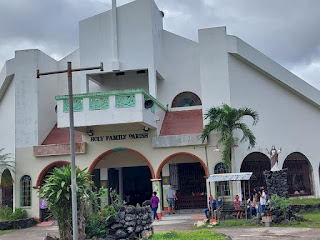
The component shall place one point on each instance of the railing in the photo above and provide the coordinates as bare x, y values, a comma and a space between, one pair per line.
115, 107
101, 100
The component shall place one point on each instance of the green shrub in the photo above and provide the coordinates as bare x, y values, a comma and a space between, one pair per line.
5, 213
279, 203
19, 213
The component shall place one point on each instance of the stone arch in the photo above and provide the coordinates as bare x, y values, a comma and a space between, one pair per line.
184, 99
167, 159
256, 162
101, 156
299, 174
44, 171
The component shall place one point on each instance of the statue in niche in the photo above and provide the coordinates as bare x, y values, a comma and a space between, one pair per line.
274, 158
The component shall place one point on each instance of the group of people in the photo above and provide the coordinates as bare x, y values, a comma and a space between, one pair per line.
171, 198
257, 203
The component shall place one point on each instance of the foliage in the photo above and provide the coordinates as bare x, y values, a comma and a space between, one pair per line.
226, 121
298, 201
280, 203
19, 213
99, 221
6, 214
199, 235
57, 192
6, 165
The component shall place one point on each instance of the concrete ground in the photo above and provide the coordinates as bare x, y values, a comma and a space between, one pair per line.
184, 223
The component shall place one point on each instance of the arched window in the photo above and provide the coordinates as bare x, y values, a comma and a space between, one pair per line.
222, 188
25, 191
186, 99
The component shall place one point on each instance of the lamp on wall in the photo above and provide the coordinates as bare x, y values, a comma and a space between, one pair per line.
146, 129
90, 133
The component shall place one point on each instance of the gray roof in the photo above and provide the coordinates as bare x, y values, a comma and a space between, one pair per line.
229, 177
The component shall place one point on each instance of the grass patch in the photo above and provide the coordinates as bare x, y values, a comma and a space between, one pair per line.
298, 201
235, 223
7, 231
311, 216
198, 235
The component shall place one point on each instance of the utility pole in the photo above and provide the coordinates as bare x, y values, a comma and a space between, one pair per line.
69, 70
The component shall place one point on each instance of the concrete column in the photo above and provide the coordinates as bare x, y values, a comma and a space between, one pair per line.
120, 183
315, 180
152, 75
115, 55
165, 185
157, 187
105, 183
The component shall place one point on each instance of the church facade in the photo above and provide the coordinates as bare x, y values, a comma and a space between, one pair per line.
138, 122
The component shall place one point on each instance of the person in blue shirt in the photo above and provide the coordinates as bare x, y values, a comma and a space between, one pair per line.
212, 205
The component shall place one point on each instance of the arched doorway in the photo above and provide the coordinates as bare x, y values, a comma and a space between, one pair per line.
48, 170
299, 174
125, 170
187, 174
45, 214
257, 163
6, 188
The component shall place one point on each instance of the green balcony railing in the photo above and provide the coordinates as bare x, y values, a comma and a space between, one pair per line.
100, 100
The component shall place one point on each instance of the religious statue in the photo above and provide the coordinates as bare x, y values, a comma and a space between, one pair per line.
274, 158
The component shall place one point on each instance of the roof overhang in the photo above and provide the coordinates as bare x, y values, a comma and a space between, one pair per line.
229, 177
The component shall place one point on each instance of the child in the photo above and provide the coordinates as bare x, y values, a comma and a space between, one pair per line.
237, 207
155, 203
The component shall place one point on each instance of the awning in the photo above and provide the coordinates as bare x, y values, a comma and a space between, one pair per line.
229, 177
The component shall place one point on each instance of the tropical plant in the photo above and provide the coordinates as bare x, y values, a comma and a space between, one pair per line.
99, 221
279, 203
226, 121
57, 192
6, 165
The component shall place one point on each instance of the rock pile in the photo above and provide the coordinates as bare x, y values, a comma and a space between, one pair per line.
277, 183
17, 224
132, 223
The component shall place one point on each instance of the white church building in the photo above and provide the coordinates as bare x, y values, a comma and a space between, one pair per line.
137, 147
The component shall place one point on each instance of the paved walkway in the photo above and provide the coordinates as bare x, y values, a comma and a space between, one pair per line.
184, 223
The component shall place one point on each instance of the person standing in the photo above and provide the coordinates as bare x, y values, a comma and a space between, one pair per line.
155, 203
237, 207
171, 199
263, 199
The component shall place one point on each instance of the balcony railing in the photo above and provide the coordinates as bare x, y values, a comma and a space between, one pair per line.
115, 107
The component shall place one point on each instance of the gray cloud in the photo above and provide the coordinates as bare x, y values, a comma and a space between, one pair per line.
287, 31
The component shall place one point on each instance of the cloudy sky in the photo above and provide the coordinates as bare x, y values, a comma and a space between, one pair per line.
287, 30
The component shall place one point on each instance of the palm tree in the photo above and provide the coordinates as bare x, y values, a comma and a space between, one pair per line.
6, 166
226, 121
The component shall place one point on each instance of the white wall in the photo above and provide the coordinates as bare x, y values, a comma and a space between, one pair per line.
180, 68
74, 58
215, 86
286, 120
47, 90
7, 120
131, 80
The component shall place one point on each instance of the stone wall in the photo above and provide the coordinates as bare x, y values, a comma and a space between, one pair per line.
132, 223
277, 183
17, 224
305, 207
